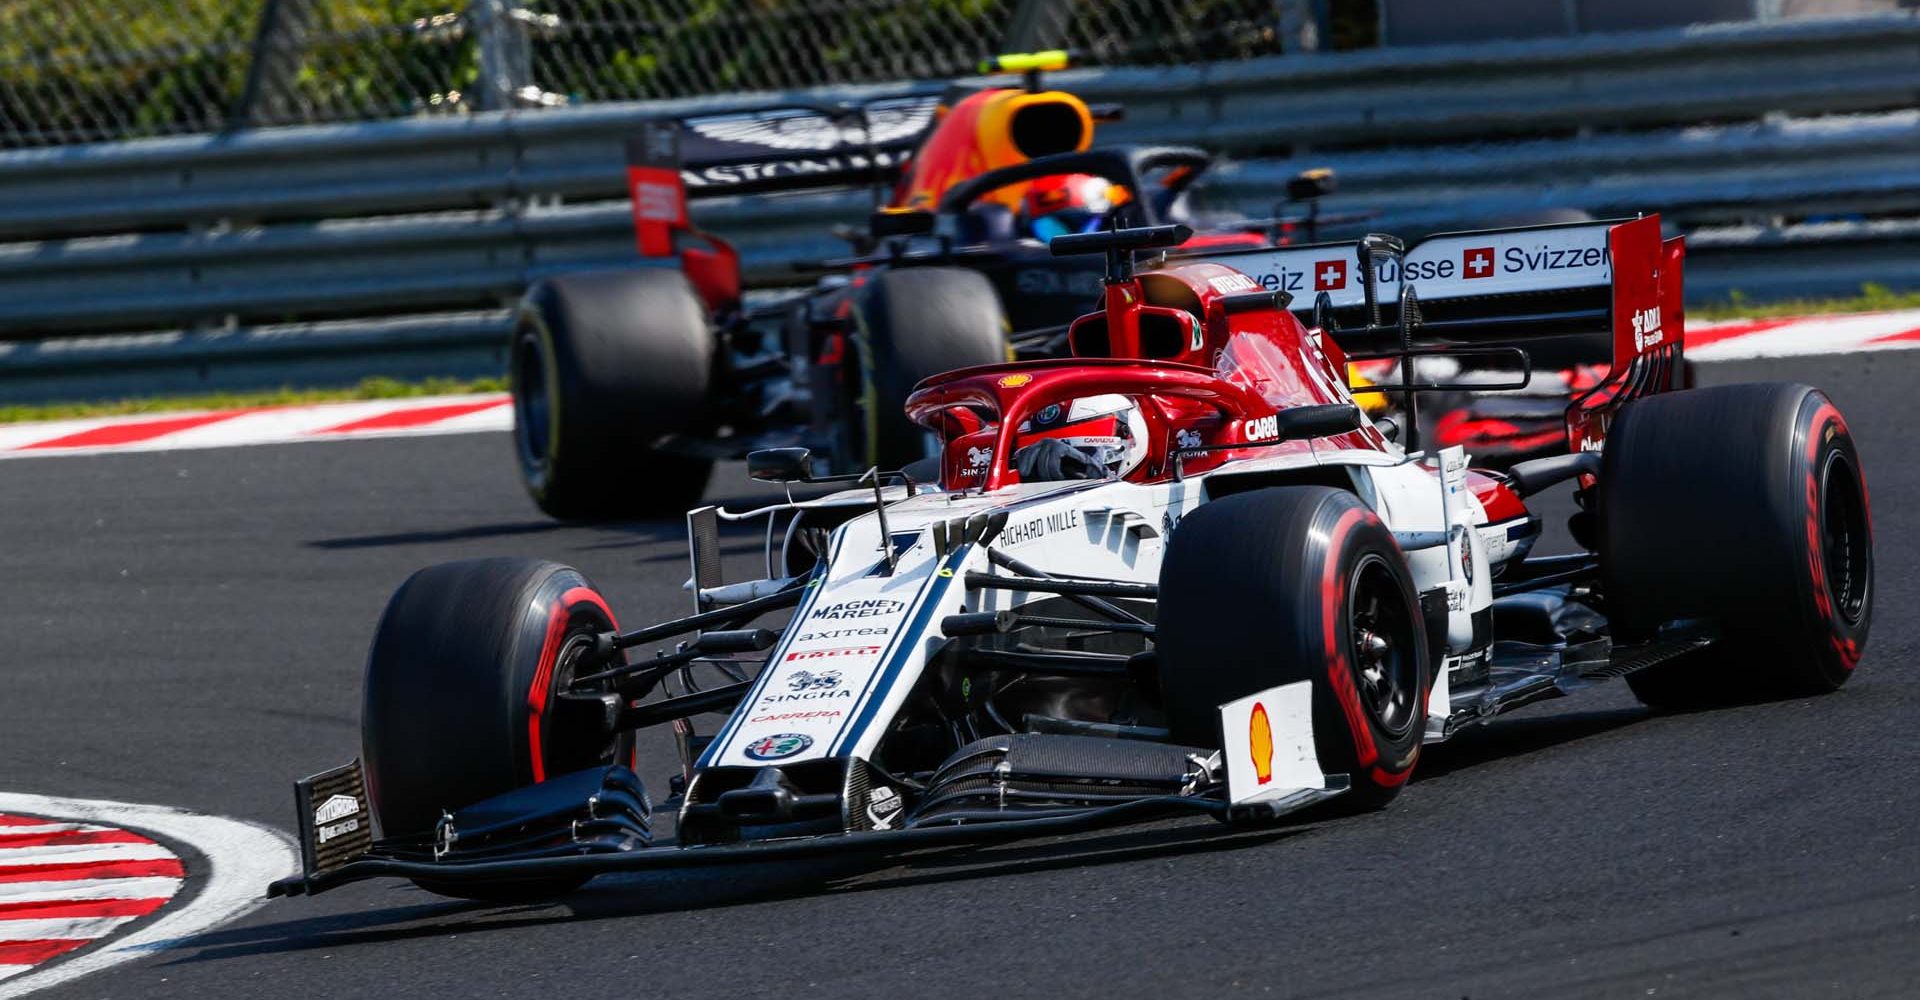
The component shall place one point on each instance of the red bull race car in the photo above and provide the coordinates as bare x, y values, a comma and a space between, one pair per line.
1177, 572
671, 362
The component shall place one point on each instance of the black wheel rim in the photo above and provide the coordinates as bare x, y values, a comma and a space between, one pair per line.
571, 745
532, 408
1382, 646
1844, 545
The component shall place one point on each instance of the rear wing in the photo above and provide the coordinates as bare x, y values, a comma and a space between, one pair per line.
789, 148
802, 147
1606, 292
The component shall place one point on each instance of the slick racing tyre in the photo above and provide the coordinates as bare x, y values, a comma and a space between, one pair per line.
1743, 504
1295, 583
603, 365
460, 695
913, 323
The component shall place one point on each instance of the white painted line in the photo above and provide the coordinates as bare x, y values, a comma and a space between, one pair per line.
58, 928
73, 854
138, 887
241, 857
12, 831
1835, 334
14, 970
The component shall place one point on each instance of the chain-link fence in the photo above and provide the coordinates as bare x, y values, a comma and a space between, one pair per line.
92, 70
76, 72
617, 49
349, 60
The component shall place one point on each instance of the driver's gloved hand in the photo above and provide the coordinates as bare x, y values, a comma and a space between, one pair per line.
1052, 460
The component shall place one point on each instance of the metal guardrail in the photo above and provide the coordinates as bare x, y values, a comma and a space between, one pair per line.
1704, 175
1472, 92
350, 226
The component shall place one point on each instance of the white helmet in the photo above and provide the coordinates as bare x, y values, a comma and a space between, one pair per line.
1107, 430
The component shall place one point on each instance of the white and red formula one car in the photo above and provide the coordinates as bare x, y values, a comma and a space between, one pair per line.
1176, 572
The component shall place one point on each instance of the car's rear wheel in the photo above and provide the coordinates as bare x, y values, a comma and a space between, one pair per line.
1745, 505
913, 323
460, 694
603, 366
1295, 583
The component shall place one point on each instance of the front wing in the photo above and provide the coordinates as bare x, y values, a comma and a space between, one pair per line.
598, 822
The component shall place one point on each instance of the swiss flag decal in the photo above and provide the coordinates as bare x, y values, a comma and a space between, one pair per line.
1478, 263
1329, 275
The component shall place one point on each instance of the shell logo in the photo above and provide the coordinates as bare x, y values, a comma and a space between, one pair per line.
1014, 381
1260, 743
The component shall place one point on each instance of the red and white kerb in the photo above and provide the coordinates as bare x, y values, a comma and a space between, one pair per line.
263, 425
65, 885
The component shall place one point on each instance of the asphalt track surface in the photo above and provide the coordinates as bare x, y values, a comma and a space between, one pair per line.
188, 628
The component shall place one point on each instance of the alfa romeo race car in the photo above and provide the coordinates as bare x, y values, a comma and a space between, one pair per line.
1176, 573
671, 362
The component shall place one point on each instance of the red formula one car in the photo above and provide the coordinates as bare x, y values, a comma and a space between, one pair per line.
1177, 572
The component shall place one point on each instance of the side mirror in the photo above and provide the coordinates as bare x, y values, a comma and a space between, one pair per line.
912, 222
1310, 184
780, 465
1325, 420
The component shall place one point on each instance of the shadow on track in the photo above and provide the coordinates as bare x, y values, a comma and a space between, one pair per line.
417, 915
744, 547
466, 534
413, 914
1513, 737
641, 531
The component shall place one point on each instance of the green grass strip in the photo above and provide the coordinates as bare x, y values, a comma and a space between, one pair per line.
1872, 298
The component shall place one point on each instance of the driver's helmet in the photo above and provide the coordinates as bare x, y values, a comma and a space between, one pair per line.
1067, 203
1093, 437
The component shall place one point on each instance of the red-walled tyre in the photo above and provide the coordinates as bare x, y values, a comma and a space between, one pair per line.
459, 701
1743, 504
1295, 583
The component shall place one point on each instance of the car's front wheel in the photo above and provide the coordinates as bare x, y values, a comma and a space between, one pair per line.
460, 696
1295, 583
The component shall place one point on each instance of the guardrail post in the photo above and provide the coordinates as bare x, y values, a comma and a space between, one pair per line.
506, 59
278, 47
1303, 24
